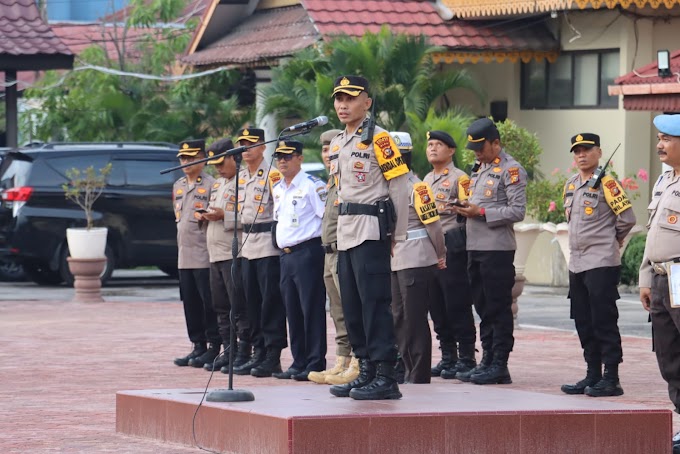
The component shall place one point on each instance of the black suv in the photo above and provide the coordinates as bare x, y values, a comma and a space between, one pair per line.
136, 206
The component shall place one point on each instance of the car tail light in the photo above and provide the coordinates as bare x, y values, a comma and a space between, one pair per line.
20, 194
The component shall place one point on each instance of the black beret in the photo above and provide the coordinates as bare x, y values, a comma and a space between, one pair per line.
191, 147
479, 132
352, 85
586, 139
251, 135
442, 136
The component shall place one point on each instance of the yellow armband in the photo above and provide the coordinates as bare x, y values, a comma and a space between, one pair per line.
389, 157
424, 204
613, 193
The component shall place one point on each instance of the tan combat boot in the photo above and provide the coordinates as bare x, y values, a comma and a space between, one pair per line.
347, 376
341, 363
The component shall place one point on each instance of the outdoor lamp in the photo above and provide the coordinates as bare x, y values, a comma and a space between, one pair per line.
664, 62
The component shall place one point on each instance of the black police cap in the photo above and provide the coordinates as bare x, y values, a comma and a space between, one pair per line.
352, 85
289, 146
191, 147
442, 136
251, 135
217, 147
479, 132
585, 139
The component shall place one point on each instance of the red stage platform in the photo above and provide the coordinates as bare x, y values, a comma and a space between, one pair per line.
435, 418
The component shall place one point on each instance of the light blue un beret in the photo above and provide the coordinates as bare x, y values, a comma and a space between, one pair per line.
668, 124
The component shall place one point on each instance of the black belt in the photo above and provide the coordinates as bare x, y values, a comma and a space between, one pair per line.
330, 248
311, 242
260, 227
357, 208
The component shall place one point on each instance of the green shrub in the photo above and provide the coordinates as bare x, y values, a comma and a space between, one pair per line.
632, 258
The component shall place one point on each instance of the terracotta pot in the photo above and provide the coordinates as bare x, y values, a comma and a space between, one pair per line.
87, 283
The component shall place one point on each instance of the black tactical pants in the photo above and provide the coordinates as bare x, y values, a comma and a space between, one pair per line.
451, 302
201, 320
666, 336
593, 294
410, 290
492, 275
304, 297
266, 312
227, 295
364, 275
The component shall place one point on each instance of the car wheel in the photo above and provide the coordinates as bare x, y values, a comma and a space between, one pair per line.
41, 274
67, 277
11, 270
170, 270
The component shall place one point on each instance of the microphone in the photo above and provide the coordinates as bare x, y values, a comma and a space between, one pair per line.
318, 121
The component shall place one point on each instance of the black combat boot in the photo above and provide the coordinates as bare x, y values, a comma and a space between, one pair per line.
207, 357
593, 375
220, 362
199, 349
609, 384
466, 361
487, 358
270, 365
496, 374
257, 358
449, 358
366, 375
243, 354
383, 387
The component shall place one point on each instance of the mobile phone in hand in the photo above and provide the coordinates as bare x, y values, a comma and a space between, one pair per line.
457, 203
201, 211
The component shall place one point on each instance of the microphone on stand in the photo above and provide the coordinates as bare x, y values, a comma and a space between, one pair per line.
318, 121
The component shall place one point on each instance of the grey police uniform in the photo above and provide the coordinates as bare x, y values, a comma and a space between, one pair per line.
298, 209
598, 219
414, 266
662, 249
193, 261
261, 268
364, 257
451, 300
500, 188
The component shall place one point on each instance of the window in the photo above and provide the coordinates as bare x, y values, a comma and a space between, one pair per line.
575, 80
142, 173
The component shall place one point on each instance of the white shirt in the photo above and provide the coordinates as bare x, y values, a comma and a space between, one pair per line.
298, 208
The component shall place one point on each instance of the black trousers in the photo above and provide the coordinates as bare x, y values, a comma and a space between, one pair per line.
451, 302
410, 290
364, 275
263, 298
304, 296
227, 295
593, 294
666, 336
194, 289
492, 276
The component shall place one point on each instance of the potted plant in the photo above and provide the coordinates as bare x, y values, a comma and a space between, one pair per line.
84, 186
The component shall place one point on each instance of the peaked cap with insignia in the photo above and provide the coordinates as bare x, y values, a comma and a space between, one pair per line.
352, 85
479, 132
403, 141
217, 147
251, 135
288, 147
585, 139
191, 147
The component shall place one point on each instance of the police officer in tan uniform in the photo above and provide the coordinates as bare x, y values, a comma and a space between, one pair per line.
261, 270
662, 250
190, 195
340, 373
599, 216
414, 266
497, 200
450, 300
227, 293
373, 193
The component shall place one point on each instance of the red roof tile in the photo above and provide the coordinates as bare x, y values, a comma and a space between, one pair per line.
355, 17
648, 74
270, 33
653, 103
24, 33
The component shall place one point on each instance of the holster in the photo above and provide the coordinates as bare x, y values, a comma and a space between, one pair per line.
456, 240
387, 218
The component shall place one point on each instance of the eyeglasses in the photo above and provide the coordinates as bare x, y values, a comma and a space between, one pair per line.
284, 156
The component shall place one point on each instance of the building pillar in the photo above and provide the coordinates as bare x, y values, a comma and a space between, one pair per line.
11, 96
262, 121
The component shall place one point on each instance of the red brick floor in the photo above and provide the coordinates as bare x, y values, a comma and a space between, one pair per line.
62, 363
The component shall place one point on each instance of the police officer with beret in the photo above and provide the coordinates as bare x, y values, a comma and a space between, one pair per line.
190, 196
227, 293
662, 251
450, 300
373, 192
261, 269
599, 216
497, 200
299, 201
340, 373
414, 266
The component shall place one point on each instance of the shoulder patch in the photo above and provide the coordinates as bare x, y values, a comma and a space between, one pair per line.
388, 156
424, 204
613, 193
274, 177
514, 174
463, 187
